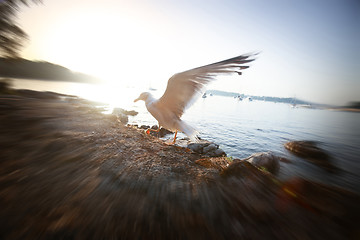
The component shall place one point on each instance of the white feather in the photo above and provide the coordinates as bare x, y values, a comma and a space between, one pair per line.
184, 88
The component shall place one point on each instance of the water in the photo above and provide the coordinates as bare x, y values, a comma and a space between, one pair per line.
242, 128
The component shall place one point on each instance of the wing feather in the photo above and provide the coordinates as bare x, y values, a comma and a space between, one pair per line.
184, 88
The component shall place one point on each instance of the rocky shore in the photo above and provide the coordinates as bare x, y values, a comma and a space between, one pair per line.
70, 172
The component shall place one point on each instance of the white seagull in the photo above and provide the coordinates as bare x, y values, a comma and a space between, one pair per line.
183, 89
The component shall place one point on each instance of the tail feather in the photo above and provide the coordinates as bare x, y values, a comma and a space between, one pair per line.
189, 131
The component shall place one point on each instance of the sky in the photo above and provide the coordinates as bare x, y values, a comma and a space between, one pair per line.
308, 49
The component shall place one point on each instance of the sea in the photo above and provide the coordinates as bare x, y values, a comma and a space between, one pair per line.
244, 127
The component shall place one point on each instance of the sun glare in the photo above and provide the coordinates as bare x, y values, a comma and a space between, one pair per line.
116, 48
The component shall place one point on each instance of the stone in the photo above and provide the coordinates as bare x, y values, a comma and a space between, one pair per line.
210, 148
123, 111
306, 149
123, 118
120, 114
311, 152
164, 132
266, 160
239, 168
197, 147
219, 152
219, 163
154, 127
207, 148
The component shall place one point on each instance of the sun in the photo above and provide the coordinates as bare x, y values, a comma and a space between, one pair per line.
120, 48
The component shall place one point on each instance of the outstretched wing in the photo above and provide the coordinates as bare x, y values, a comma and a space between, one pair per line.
183, 88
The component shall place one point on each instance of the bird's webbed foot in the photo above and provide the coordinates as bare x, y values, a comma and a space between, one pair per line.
149, 130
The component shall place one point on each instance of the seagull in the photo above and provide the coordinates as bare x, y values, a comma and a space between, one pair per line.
183, 89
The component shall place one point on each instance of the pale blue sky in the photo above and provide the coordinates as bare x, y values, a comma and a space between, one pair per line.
309, 49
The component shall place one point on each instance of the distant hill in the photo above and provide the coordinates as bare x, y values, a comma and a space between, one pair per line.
259, 98
353, 105
22, 68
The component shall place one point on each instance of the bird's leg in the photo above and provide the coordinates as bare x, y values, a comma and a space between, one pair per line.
152, 130
173, 142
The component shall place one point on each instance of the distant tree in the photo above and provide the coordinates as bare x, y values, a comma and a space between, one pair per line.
354, 105
11, 35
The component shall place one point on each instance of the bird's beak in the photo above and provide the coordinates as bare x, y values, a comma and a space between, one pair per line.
136, 99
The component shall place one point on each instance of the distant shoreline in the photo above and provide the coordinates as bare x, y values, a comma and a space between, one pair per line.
344, 109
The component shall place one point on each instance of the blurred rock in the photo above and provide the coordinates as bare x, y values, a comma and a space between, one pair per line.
219, 163
306, 149
121, 117
310, 151
125, 112
196, 147
210, 148
239, 168
207, 148
164, 132
38, 95
265, 159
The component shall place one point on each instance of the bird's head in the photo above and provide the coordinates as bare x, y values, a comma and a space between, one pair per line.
143, 96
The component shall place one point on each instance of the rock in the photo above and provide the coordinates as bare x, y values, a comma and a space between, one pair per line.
161, 133
306, 149
144, 127
266, 160
207, 148
239, 168
121, 116
197, 147
164, 132
111, 117
125, 112
210, 148
154, 127
311, 152
319, 198
219, 152
38, 95
219, 163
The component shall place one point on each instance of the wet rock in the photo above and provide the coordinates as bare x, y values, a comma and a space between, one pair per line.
210, 148
311, 152
306, 149
265, 159
219, 152
196, 147
207, 148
